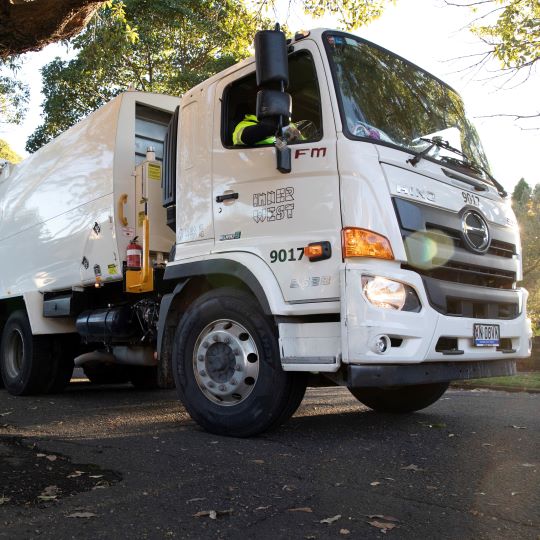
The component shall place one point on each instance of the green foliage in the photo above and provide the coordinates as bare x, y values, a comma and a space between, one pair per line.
352, 13
521, 195
526, 204
13, 94
515, 34
6, 152
161, 46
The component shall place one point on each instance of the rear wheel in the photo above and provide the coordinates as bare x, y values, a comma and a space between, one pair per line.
64, 350
402, 399
227, 367
27, 363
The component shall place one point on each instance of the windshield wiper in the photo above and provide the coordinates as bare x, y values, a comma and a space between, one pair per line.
433, 143
464, 162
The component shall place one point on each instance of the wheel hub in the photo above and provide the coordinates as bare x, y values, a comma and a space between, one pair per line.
14, 354
226, 362
220, 362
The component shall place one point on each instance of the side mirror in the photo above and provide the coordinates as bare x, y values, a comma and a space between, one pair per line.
271, 59
273, 104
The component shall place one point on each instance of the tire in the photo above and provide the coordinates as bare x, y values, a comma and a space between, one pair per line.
296, 395
143, 377
27, 365
402, 399
64, 350
227, 367
106, 373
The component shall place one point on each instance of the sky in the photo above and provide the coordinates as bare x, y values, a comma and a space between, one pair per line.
430, 35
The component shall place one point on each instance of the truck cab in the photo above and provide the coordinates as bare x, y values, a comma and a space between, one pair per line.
387, 258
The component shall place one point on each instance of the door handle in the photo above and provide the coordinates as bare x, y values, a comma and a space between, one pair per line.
226, 197
122, 200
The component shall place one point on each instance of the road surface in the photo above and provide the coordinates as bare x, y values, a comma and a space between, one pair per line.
112, 462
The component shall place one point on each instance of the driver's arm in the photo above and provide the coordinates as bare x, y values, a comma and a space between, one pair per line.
251, 135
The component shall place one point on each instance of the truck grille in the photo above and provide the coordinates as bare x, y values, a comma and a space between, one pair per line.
459, 282
496, 248
469, 275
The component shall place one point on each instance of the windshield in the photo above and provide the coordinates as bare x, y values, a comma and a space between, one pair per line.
386, 99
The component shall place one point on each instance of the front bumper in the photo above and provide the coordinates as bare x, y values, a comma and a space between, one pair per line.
362, 376
415, 336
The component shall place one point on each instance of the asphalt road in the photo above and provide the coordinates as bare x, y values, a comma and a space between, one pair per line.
112, 462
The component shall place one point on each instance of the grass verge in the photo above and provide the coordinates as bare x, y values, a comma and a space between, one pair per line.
522, 381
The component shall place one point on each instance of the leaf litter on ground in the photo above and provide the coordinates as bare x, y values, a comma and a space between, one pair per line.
330, 520
50, 493
383, 523
82, 515
214, 514
412, 467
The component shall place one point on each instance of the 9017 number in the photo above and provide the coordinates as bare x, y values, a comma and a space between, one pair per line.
471, 199
286, 255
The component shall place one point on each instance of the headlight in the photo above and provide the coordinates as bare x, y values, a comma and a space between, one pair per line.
388, 294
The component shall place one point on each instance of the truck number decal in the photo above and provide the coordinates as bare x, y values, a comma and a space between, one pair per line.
286, 255
471, 199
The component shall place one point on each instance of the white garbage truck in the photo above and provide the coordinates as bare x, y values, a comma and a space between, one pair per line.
366, 244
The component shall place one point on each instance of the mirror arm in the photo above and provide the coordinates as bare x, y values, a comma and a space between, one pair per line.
283, 152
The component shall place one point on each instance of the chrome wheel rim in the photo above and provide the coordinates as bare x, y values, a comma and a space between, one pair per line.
226, 362
14, 354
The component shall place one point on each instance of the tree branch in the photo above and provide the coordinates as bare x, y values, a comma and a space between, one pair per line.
467, 4
31, 25
514, 116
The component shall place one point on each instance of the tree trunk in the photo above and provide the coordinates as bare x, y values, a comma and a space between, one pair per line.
29, 25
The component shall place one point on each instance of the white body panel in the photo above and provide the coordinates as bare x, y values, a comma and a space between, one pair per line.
59, 225
265, 276
194, 222
282, 213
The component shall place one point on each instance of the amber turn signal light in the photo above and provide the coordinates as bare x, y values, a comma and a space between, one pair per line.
364, 243
318, 251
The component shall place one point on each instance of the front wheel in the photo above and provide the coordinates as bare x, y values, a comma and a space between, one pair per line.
402, 399
227, 366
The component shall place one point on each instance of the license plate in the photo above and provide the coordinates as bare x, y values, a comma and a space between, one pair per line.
486, 335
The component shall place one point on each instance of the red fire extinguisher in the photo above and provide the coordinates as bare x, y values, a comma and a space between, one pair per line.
134, 255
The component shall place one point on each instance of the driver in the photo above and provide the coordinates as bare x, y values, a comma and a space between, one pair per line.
250, 132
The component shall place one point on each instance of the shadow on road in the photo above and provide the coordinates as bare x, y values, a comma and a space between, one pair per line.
464, 468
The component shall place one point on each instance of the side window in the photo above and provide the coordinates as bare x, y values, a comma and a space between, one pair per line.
239, 100
306, 98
